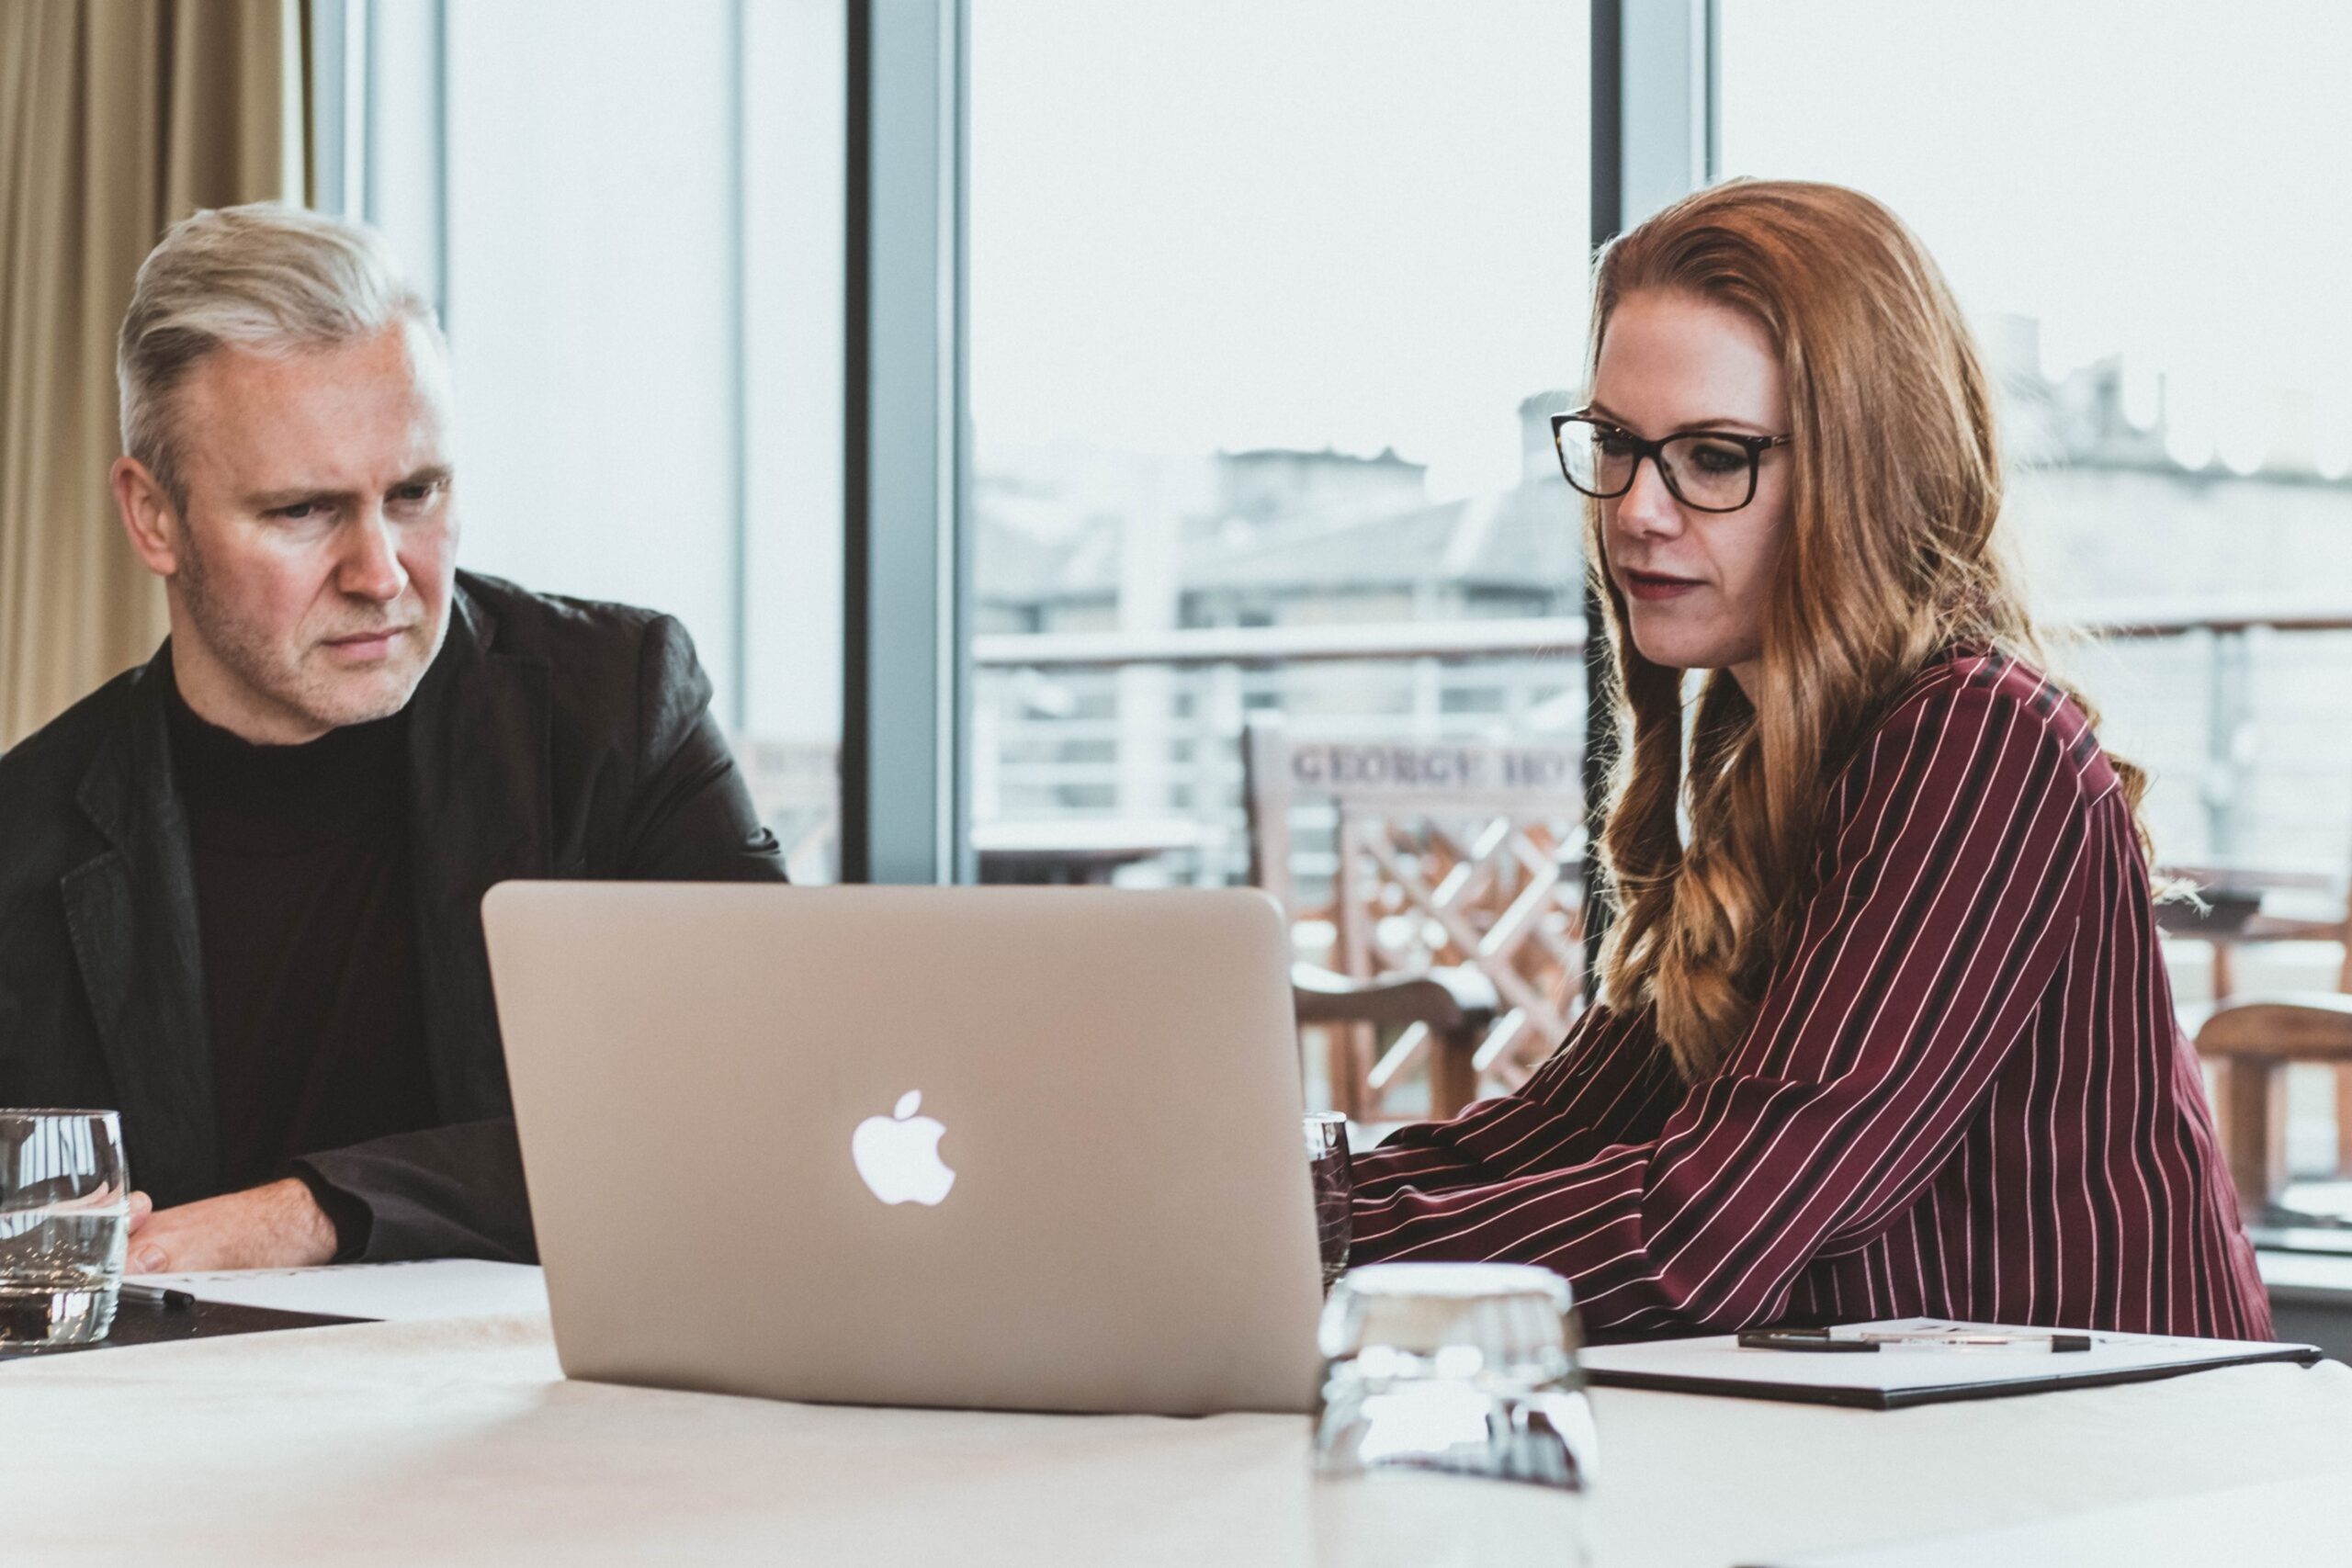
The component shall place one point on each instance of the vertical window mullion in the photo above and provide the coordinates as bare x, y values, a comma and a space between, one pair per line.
905, 574
1654, 88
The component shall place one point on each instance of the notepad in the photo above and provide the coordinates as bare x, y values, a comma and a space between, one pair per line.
1902, 1376
400, 1292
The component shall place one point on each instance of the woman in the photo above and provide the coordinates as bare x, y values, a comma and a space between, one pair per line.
1885, 1028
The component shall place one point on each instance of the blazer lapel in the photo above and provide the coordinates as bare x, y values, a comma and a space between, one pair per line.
481, 782
132, 913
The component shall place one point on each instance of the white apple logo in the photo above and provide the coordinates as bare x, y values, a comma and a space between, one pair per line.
898, 1155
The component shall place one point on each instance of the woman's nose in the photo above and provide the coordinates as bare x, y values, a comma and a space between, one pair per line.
1648, 506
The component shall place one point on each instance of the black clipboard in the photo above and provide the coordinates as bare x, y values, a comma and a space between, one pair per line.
1945, 1393
1718, 1366
136, 1322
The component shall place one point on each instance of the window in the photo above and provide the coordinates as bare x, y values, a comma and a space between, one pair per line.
635, 218
1267, 305
2144, 241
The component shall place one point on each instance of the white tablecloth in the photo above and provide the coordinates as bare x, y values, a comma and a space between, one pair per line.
2279, 1523
458, 1442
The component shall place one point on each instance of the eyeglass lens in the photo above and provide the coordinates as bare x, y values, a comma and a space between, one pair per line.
1702, 470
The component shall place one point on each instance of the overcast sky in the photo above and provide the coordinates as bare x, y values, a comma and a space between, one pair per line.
1362, 222
1202, 223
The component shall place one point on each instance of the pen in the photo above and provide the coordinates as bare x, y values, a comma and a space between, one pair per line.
157, 1296
1978, 1339
1906, 1339
1815, 1339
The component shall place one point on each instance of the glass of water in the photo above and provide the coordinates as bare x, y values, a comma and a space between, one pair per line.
1335, 1190
1469, 1369
64, 1212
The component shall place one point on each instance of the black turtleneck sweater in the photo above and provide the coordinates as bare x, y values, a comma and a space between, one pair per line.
309, 937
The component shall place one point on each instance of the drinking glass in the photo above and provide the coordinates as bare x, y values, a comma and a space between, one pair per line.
64, 1212
1335, 1190
1464, 1367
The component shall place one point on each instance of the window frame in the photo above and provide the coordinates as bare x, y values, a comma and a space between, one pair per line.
907, 513
905, 784
905, 774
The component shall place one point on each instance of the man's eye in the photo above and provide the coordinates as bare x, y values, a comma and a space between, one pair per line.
300, 512
415, 494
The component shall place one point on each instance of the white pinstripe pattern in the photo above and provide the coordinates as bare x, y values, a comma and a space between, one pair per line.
1963, 1071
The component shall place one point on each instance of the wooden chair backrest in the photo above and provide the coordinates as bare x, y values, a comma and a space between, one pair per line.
1446, 852
2249, 1042
2313, 1027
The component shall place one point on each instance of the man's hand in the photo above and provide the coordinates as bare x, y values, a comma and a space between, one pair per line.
276, 1226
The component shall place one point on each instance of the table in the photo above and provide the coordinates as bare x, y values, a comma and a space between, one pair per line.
2289, 1521
1076, 852
458, 1442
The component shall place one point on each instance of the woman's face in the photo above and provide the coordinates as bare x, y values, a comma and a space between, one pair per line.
1694, 582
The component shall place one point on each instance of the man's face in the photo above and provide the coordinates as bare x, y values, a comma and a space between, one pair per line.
317, 542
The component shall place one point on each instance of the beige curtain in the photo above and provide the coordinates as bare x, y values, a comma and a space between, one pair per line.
117, 119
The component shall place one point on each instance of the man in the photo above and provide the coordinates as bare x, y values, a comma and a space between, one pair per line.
240, 887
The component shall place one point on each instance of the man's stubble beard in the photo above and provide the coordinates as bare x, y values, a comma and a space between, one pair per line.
248, 653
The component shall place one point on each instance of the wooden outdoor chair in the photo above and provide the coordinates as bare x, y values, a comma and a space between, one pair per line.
1453, 892
2251, 1042
2234, 919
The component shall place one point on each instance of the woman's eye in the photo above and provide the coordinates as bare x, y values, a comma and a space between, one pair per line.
1717, 457
1613, 443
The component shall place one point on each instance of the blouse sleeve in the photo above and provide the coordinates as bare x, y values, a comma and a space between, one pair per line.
1947, 902
1606, 1076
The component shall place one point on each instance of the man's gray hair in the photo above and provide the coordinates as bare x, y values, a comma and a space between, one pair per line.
265, 277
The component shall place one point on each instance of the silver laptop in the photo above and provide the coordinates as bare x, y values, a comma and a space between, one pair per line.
1006, 1148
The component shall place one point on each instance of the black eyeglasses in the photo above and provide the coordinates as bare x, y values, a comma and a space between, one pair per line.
1708, 470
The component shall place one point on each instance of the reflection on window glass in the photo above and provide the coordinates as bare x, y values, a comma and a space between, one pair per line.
2135, 200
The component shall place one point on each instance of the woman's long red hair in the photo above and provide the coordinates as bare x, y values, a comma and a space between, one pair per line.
1892, 553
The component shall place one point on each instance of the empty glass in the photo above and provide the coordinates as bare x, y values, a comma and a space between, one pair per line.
64, 1212
1464, 1367
1335, 1190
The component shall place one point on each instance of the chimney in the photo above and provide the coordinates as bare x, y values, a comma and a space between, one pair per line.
1538, 460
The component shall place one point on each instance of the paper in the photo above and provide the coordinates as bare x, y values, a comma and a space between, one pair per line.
1916, 1374
397, 1293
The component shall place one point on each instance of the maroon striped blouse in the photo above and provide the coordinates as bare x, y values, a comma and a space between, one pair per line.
1964, 1093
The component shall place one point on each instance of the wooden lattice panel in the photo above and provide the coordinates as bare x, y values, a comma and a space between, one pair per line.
1447, 856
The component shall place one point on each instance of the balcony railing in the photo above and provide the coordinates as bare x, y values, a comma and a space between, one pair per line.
2242, 713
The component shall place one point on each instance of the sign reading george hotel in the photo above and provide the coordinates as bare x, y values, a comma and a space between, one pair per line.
1356, 771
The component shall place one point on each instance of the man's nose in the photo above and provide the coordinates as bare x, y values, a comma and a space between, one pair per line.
371, 563
1648, 507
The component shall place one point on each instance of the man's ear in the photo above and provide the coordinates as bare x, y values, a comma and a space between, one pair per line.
149, 517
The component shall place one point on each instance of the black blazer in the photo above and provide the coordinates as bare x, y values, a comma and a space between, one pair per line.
550, 737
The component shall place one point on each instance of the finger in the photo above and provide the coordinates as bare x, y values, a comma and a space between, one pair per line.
148, 1255
141, 1207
